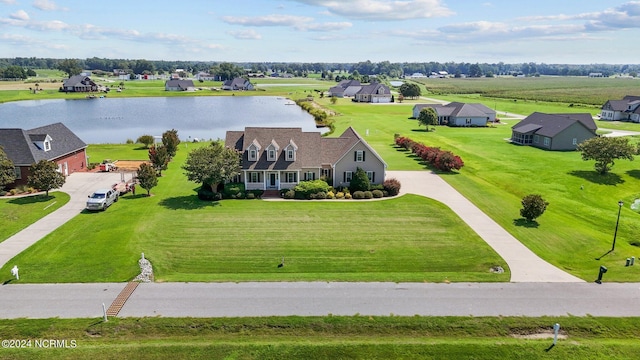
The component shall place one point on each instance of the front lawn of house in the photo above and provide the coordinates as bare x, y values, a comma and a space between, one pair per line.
410, 238
16, 213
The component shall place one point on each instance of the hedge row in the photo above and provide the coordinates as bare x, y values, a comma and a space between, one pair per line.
442, 160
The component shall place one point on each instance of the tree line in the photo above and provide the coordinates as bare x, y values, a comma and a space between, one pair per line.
387, 68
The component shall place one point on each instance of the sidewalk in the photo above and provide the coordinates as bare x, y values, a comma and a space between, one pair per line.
525, 266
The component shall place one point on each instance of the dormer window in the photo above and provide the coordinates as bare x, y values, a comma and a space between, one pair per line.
47, 145
272, 151
290, 151
252, 150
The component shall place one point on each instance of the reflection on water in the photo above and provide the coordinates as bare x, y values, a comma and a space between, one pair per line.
116, 120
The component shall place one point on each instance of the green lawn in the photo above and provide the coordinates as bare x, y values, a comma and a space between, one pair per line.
19, 212
329, 337
410, 238
579, 223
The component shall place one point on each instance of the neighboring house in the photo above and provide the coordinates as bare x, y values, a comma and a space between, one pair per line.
373, 93
79, 83
279, 158
554, 131
459, 114
205, 76
179, 85
237, 84
53, 142
345, 88
627, 109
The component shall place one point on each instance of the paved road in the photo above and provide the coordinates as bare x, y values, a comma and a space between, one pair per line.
322, 298
525, 266
618, 133
78, 186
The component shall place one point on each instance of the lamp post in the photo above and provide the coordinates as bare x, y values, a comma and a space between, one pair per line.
620, 203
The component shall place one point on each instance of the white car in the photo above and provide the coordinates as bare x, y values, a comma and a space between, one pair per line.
102, 199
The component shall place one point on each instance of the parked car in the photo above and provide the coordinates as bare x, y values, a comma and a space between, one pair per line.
102, 199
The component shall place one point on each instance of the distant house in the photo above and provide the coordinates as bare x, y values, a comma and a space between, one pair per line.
79, 83
237, 84
627, 109
554, 131
53, 142
373, 93
205, 76
179, 85
459, 114
345, 88
279, 158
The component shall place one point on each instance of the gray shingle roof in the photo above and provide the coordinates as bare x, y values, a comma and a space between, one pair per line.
552, 124
19, 144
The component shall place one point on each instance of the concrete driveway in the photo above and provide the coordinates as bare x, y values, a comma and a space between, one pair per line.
525, 266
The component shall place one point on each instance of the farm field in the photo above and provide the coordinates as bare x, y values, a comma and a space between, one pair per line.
409, 238
329, 337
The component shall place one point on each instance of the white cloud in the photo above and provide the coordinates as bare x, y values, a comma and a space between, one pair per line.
245, 34
8, 2
302, 23
20, 15
46, 5
383, 9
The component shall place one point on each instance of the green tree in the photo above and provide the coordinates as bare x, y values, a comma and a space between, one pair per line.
45, 176
334, 100
605, 150
147, 177
69, 66
410, 90
14, 72
171, 141
359, 181
475, 71
146, 140
533, 206
227, 71
143, 66
159, 157
7, 170
212, 165
428, 117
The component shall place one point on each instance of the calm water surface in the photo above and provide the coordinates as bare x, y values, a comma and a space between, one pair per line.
108, 120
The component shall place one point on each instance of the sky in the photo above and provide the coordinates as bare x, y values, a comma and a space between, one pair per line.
343, 31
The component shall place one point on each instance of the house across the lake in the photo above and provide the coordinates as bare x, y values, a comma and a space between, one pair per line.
79, 83
627, 109
279, 158
459, 114
53, 142
237, 84
554, 131
373, 93
179, 85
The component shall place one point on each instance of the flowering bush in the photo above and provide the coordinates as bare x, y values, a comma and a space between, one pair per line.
434, 156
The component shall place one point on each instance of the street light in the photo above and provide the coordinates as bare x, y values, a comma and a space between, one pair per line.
620, 203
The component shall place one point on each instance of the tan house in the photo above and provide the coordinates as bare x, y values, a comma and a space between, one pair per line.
279, 158
554, 131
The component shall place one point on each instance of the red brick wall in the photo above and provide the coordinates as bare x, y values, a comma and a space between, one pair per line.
76, 161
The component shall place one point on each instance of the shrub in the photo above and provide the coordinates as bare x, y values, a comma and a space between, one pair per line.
360, 181
533, 206
339, 195
290, 194
129, 141
305, 188
257, 194
358, 195
392, 186
376, 187
232, 189
240, 195
330, 195
205, 193
377, 193
368, 194
447, 161
321, 195
347, 196
251, 195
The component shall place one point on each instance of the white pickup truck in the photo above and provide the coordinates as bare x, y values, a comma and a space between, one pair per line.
102, 199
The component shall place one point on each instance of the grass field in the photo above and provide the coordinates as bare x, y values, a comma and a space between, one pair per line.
579, 223
410, 238
20, 212
330, 337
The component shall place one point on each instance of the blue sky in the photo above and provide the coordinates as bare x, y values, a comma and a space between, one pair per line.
558, 31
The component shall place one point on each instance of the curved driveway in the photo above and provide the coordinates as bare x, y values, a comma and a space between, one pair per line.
525, 266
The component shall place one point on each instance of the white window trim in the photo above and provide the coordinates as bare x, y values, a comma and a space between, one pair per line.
348, 176
359, 155
253, 152
271, 155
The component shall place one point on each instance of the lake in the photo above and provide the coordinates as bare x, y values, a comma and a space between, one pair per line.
106, 120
